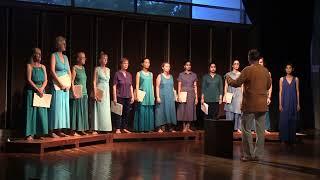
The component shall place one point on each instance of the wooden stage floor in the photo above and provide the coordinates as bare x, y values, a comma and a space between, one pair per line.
168, 160
41, 146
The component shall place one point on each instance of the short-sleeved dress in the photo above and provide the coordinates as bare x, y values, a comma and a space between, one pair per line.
166, 109
36, 117
79, 107
102, 111
187, 111
235, 105
59, 113
144, 113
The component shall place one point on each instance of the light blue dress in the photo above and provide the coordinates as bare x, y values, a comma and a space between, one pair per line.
166, 109
102, 111
59, 113
233, 110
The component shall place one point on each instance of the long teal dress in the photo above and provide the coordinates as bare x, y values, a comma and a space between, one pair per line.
36, 117
166, 110
79, 107
144, 114
59, 113
102, 111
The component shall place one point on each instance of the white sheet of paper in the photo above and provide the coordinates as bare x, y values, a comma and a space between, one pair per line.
64, 79
116, 108
204, 108
140, 95
183, 97
44, 101
229, 97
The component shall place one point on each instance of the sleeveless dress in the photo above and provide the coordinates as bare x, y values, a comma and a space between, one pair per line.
36, 117
102, 111
144, 114
187, 111
79, 107
59, 113
288, 117
166, 110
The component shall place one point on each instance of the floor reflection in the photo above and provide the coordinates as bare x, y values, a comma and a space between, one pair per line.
177, 160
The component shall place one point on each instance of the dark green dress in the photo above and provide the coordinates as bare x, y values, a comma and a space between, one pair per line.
79, 107
36, 117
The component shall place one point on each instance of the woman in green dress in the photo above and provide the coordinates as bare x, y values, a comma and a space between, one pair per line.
36, 117
165, 108
79, 103
59, 113
102, 111
144, 114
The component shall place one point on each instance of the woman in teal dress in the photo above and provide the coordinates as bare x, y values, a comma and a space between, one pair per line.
79, 104
144, 114
36, 117
165, 108
102, 112
59, 113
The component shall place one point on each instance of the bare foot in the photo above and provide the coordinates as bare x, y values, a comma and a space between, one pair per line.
94, 132
173, 130
160, 131
84, 133
118, 131
239, 131
61, 134
267, 132
189, 130
184, 130
76, 134
29, 138
54, 135
126, 131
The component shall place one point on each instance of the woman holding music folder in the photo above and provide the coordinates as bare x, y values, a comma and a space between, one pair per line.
36, 116
233, 98
123, 94
187, 84
59, 113
212, 89
79, 97
165, 109
144, 114
101, 93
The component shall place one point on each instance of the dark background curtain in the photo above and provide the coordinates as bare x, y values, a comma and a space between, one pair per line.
315, 63
284, 32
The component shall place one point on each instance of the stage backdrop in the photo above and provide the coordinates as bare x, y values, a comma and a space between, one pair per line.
119, 35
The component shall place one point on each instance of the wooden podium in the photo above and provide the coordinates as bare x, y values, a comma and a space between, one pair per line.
218, 138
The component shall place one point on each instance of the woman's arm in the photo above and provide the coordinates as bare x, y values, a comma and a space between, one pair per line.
53, 71
220, 90
225, 90
94, 83
203, 88
298, 94
195, 92
45, 82
73, 77
280, 94
29, 78
114, 88
132, 95
158, 88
